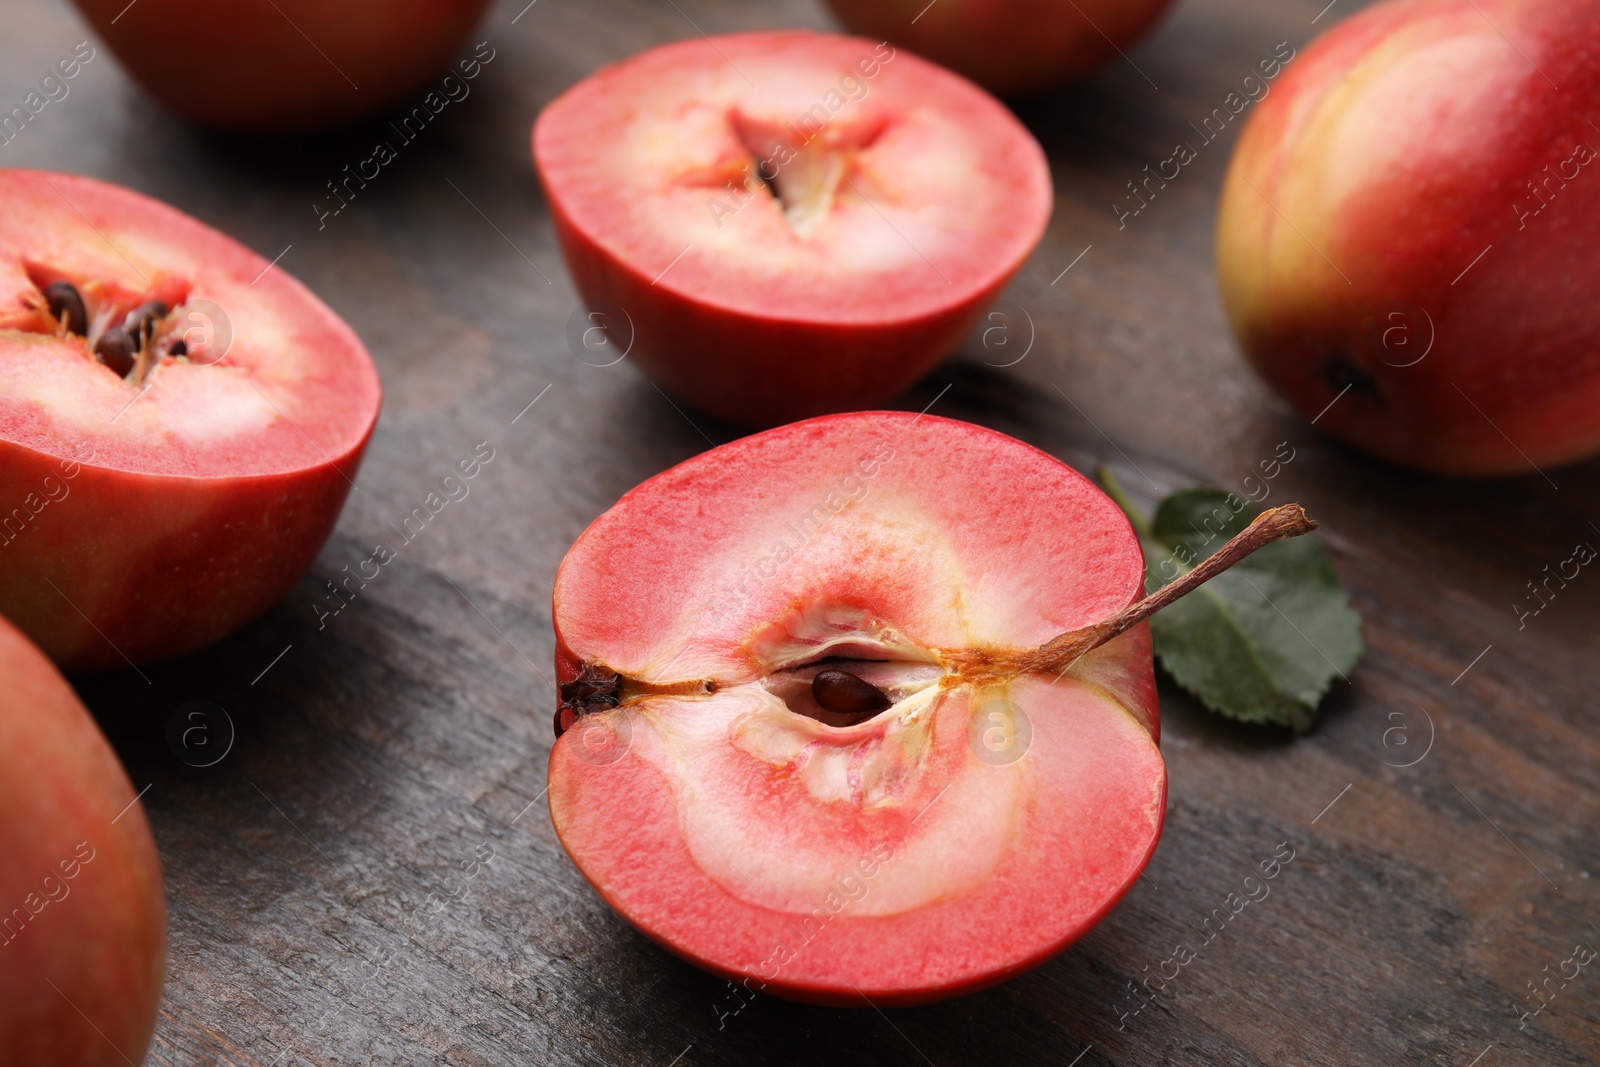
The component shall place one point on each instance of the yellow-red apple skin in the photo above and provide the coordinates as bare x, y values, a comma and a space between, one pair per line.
82, 914
1378, 229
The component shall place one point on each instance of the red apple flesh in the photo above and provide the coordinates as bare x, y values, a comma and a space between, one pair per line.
1409, 237
146, 514
981, 823
901, 200
82, 915
1007, 46
280, 65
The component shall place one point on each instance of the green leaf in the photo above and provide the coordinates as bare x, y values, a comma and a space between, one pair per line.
1261, 642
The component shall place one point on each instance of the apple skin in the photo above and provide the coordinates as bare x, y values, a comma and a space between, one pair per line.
760, 372
83, 905
1378, 230
157, 565
252, 65
1007, 46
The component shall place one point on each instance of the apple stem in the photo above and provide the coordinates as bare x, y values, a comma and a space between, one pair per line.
1057, 655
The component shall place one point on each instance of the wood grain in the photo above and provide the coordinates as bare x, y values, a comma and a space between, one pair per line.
320, 909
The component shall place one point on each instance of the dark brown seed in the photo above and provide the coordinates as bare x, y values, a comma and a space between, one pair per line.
116, 350
64, 299
141, 322
844, 694
178, 348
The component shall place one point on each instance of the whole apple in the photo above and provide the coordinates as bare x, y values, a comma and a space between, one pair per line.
82, 915
282, 64
180, 423
1409, 236
1007, 46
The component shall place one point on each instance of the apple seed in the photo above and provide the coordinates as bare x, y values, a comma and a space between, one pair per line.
66, 306
116, 350
845, 694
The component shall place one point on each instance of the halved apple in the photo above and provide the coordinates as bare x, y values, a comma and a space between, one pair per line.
778, 225
180, 422
741, 813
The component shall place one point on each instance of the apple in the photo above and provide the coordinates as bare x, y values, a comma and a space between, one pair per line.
1409, 235
179, 424
862, 706
778, 225
281, 65
82, 915
1007, 46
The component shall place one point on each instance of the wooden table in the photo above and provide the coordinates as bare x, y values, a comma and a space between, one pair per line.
379, 758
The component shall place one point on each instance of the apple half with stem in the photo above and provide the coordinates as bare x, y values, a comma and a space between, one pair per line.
779, 225
1408, 242
83, 933
180, 423
863, 707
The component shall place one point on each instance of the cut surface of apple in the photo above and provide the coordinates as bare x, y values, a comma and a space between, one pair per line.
179, 423
983, 821
788, 223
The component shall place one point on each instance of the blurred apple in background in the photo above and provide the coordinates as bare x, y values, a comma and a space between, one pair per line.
283, 64
1409, 237
1007, 46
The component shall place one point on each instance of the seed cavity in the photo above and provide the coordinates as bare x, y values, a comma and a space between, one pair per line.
132, 349
844, 693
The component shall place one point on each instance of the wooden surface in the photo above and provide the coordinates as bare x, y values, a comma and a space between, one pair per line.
328, 900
